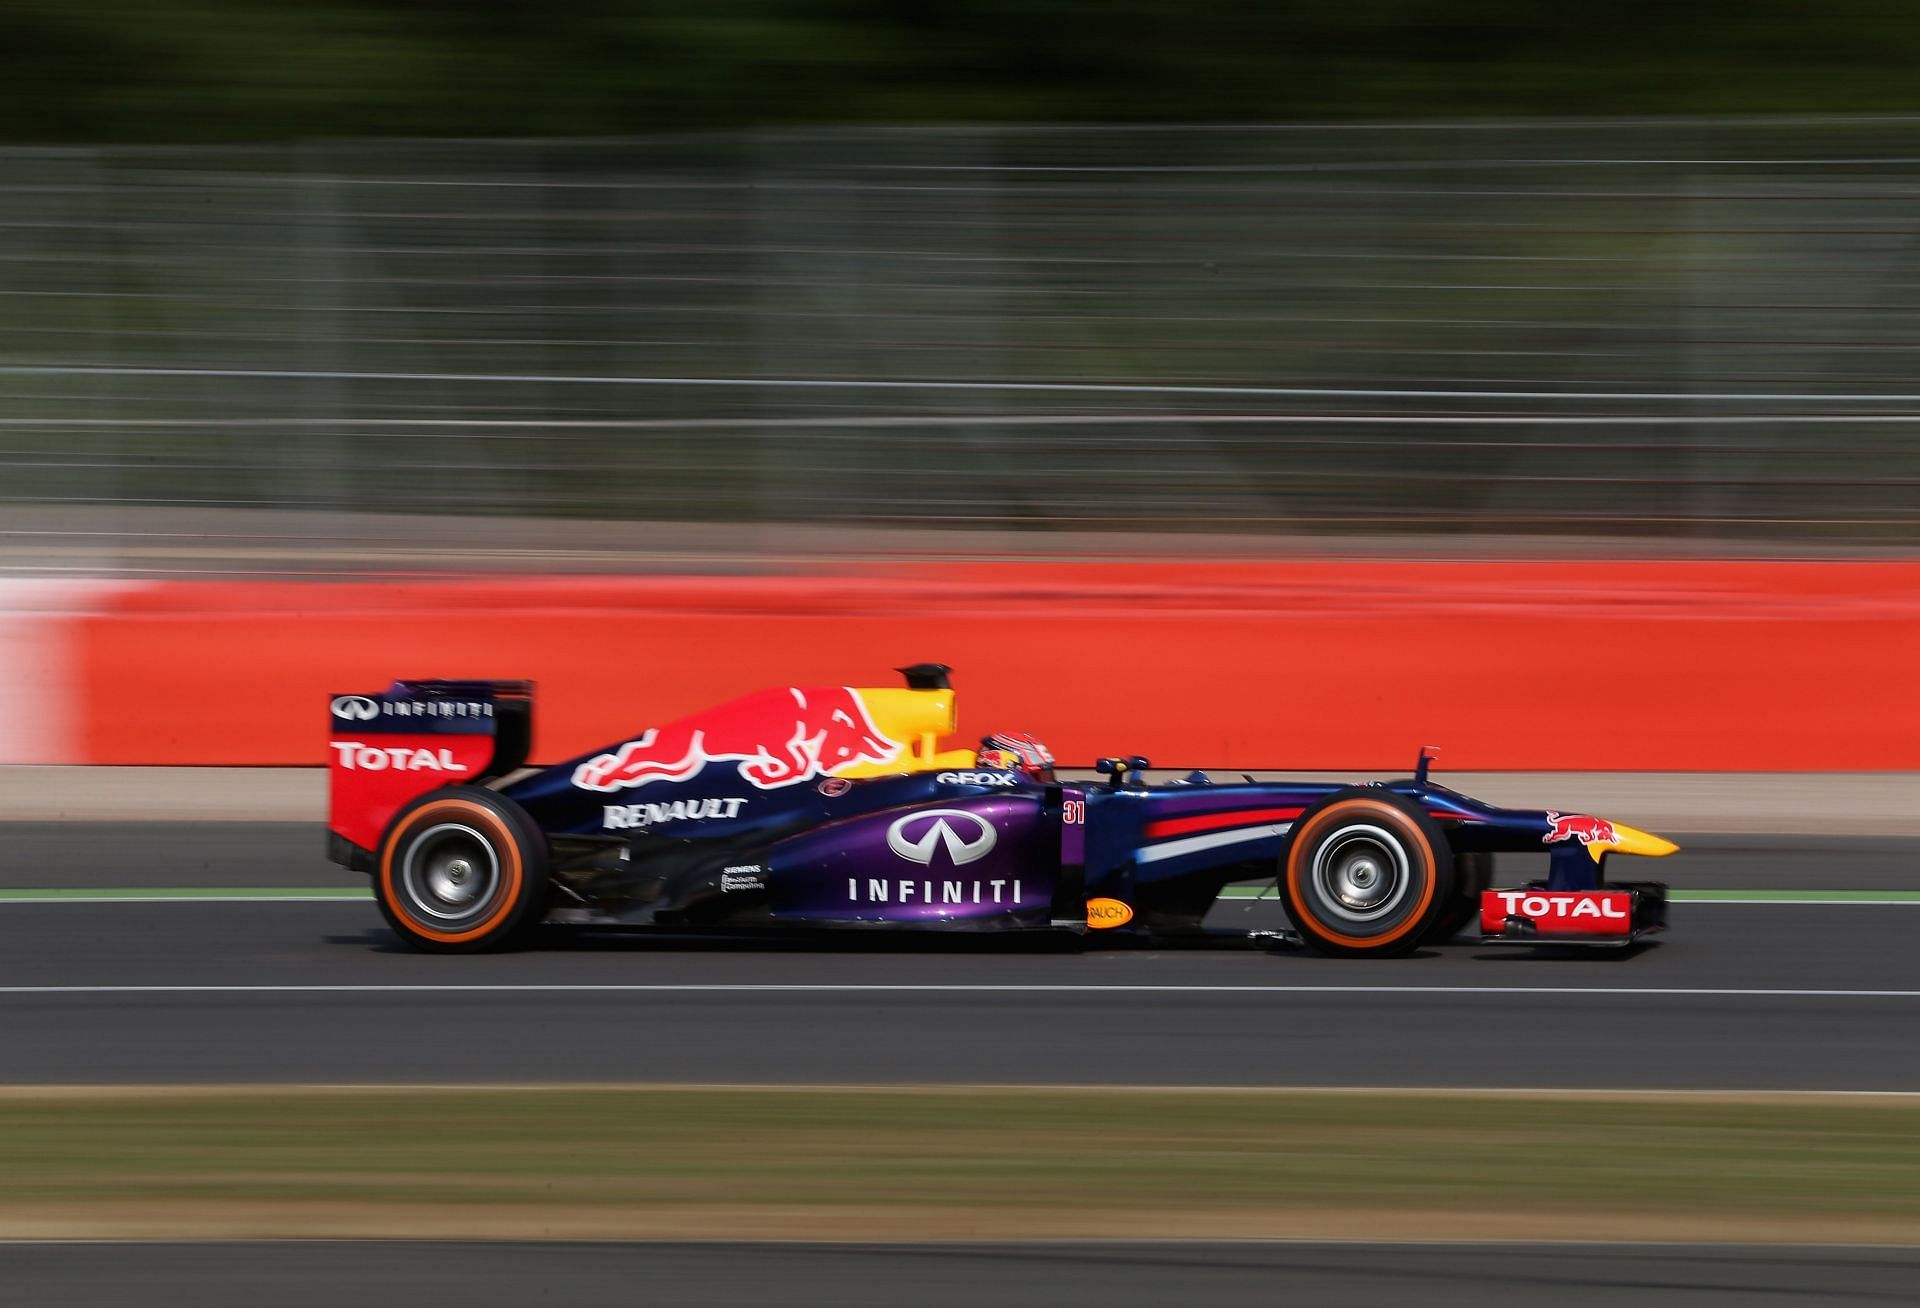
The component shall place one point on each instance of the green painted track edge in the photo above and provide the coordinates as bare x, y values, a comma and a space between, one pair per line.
1683, 896
164, 894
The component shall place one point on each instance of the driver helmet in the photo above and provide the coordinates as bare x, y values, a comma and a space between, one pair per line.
1016, 751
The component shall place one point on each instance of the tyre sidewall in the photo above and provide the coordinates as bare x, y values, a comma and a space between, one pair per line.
1429, 864
514, 904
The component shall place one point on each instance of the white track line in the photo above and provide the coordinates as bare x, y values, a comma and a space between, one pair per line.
951, 988
1573, 1245
889, 421
928, 384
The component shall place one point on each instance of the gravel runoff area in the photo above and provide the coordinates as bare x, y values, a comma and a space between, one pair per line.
1850, 804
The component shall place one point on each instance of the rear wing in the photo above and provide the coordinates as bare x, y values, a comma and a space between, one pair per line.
385, 749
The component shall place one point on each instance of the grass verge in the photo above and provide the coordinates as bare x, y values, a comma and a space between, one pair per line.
876, 1164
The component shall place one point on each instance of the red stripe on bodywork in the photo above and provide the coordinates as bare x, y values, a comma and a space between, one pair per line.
1186, 826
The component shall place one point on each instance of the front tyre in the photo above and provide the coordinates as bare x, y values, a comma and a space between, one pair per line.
461, 870
1366, 874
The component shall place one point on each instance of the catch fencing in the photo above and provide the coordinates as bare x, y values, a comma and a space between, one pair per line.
1680, 331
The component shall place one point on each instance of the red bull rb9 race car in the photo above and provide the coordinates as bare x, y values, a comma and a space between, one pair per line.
833, 808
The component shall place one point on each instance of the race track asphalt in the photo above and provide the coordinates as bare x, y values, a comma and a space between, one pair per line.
295, 1275
1741, 996
1749, 996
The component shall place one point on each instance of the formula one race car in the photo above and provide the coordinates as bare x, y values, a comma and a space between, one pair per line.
830, 807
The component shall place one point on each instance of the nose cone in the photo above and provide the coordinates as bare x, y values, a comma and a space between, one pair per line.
1632, 840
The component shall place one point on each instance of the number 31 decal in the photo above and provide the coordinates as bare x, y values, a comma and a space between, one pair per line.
1073, 812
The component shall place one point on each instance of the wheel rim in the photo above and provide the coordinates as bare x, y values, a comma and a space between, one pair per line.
450, 872
1362, 873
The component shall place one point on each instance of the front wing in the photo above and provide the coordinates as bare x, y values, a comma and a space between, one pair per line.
1608, 918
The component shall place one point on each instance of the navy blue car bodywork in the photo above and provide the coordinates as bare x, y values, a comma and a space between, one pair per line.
1165, 849
983, 849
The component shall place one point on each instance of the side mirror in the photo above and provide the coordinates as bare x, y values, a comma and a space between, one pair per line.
1118, 771
1427, 754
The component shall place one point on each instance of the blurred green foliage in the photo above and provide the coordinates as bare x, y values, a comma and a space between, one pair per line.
220, 70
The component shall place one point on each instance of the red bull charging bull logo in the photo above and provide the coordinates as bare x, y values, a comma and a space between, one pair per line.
1576, 826
778, 738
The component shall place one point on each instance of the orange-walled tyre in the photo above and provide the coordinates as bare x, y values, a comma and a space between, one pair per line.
461, 870
1366, 874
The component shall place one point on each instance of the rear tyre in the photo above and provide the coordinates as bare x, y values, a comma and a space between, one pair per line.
1366, 874
461, 870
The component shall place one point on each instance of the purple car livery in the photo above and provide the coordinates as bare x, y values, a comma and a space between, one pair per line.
836, 808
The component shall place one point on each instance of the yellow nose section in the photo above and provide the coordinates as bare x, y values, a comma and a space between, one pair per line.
1632, 840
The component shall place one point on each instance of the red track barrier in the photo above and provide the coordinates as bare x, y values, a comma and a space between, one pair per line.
1603, 666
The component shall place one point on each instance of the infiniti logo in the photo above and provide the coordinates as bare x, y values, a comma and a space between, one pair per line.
961, 850
355, 708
